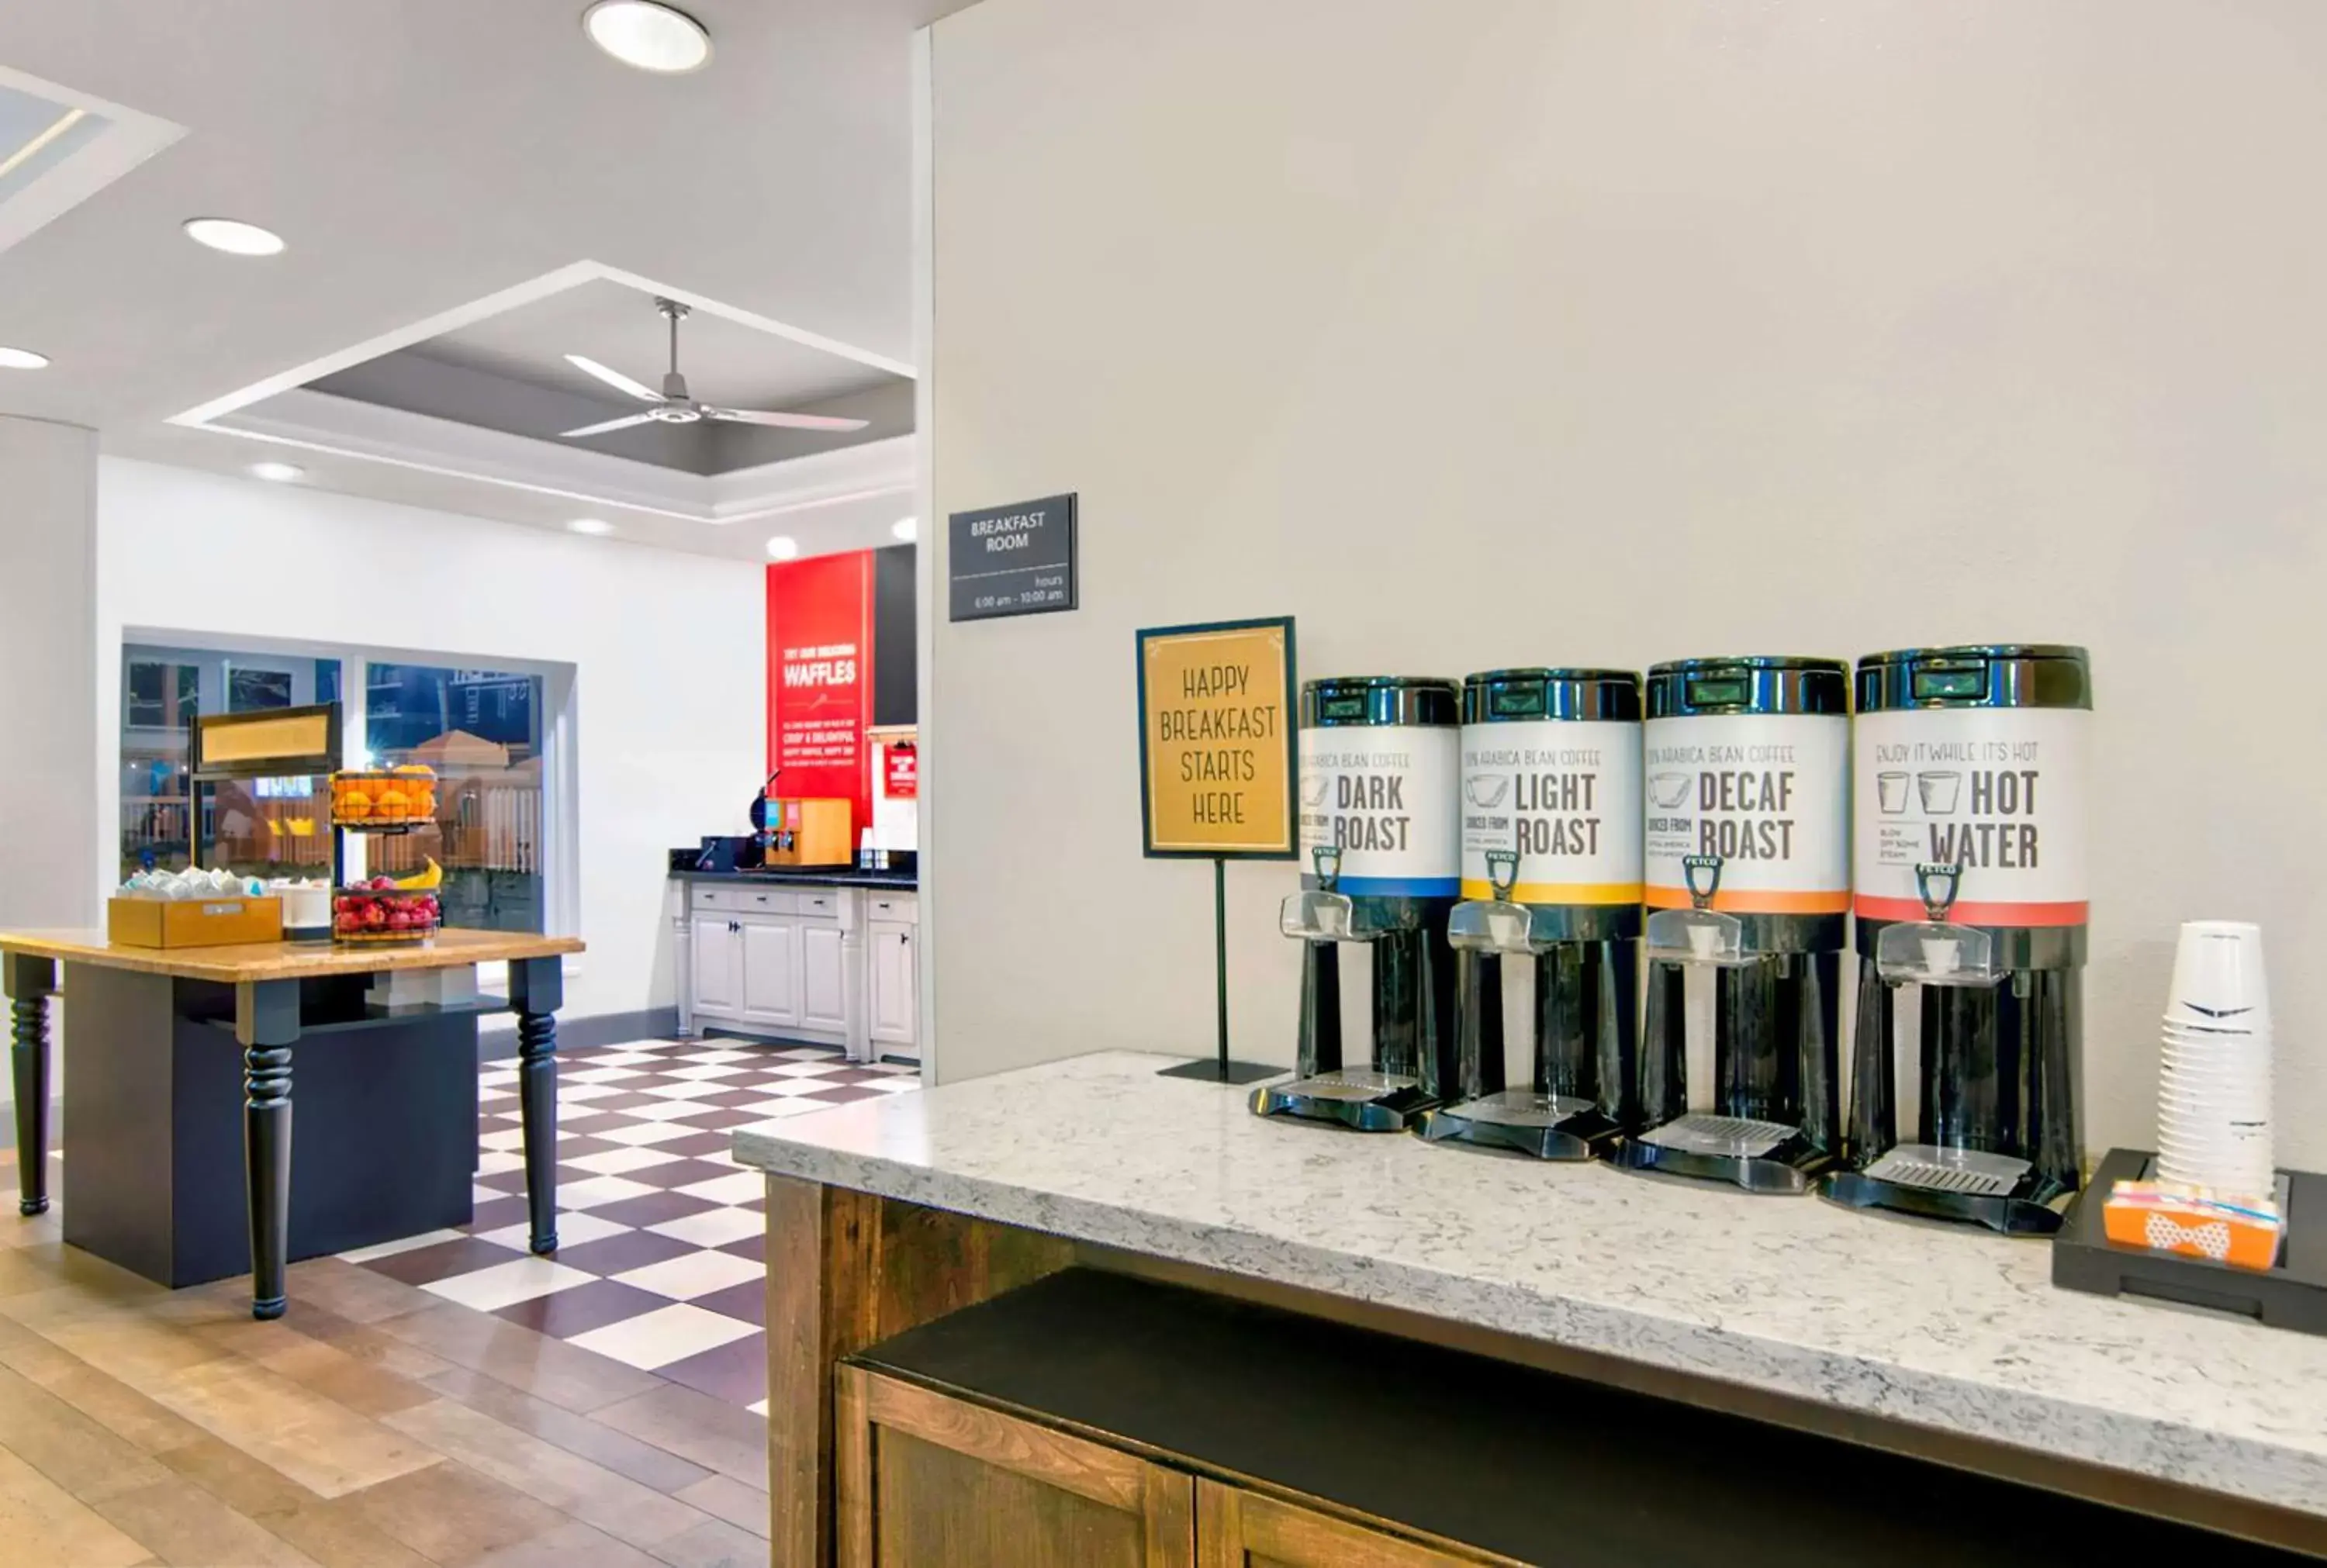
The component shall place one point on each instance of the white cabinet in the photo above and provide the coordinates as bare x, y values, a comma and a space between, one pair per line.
894, 1002
822, 963
770, 949
718, 966
824, 976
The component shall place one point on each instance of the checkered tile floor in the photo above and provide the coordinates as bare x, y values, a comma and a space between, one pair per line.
660, 1243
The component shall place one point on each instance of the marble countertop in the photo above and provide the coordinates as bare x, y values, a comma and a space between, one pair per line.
1952, 1330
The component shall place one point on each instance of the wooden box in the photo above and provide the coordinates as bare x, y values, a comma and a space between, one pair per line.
220, 920
821, 831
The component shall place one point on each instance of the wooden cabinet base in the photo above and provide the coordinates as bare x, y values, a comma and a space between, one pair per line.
925, 1478
846, 1269
1236, 1529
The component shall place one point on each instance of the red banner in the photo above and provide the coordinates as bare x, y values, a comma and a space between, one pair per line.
820, 678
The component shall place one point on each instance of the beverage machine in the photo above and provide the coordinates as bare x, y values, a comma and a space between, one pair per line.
1551, 876
1379, 826
1747, 765
1971, 901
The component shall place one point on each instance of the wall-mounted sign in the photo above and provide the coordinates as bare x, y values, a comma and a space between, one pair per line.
1216, 740
904, 781
1014, 560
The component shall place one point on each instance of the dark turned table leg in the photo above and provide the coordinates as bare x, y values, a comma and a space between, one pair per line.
31, 982
536, 989
266, 1023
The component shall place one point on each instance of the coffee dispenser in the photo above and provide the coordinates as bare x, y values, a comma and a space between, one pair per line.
1378, 836
1970, 861
1551, 875
1747, 764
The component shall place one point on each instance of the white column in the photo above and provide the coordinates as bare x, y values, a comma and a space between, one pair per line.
53, 859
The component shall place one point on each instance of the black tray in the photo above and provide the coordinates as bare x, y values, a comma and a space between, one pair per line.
2294, 1295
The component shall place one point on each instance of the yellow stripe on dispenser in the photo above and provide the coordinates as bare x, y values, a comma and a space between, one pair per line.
1558, 892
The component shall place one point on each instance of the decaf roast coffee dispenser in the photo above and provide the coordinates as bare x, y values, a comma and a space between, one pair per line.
1381, 869
1747, 768
1551, 875
1970, 863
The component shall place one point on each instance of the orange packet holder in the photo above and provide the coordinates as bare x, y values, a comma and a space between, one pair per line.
2156, 1223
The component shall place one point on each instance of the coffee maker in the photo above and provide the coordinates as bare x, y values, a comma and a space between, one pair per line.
1551, 875
1379, 831
1971, 904
1747, 765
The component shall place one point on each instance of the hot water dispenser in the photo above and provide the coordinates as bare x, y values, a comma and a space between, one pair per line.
1971, 901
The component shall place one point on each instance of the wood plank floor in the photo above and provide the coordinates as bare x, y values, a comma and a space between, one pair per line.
376, 1426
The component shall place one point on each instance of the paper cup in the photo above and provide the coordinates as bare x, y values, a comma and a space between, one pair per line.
2218, 977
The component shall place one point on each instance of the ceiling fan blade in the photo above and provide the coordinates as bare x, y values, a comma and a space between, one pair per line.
786, 421
614, 378
624, 423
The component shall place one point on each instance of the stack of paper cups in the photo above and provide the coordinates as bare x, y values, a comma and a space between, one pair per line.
2214, 1082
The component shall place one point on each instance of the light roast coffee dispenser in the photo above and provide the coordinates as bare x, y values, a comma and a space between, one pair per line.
1970, 861
1551, 875
1747, 765
1382, 868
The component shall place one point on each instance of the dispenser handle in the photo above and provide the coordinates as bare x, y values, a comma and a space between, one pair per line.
1327, 859
1939, 885
1502, 871
1701, 896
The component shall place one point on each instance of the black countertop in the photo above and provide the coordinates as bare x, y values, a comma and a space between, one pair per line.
829, 876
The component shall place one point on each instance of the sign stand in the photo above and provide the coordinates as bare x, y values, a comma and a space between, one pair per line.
1216, 773
1221, 1070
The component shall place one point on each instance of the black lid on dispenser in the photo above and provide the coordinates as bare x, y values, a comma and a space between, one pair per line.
1420, 701
1753, 683
2002, 674
1511, 695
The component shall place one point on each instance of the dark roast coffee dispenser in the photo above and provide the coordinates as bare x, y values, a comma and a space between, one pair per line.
1551, 876
1381, 869
1747, 768
1970, 864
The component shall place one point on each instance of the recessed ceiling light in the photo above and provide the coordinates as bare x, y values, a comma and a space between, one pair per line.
784, 548
906, 528
234, 238
592, 525
649, 36
280, 472
23, 359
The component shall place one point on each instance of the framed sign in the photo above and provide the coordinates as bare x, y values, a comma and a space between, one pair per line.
1216, 740
1013, 560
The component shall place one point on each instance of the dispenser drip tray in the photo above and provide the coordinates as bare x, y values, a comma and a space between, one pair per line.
1363, 1098
1966, 1172
1521, 1121
1353, 1083
1523, 1108
1726, 1137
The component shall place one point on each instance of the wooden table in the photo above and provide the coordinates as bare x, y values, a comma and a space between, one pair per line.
266, 982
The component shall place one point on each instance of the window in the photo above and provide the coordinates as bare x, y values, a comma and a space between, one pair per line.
259, 826
481, 731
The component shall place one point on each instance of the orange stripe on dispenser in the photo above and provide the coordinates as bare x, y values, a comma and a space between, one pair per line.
1755, 901
1966, 913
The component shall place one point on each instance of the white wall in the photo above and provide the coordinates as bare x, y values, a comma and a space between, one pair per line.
1500, 332
47, 736
668, 651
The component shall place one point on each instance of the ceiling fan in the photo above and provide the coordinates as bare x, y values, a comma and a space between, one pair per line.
674, 405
